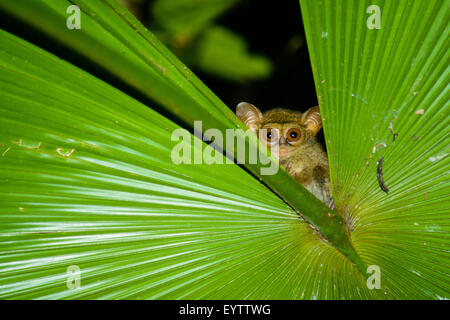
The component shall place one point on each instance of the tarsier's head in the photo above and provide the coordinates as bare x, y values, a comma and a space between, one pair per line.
281, 129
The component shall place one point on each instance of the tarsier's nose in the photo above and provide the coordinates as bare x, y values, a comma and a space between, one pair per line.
283, 140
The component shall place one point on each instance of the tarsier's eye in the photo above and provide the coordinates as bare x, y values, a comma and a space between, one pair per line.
270, 135
293, 134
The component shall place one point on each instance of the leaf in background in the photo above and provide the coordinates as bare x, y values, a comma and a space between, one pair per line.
187, 27
224, 53
86, 179
372, 84
187, 17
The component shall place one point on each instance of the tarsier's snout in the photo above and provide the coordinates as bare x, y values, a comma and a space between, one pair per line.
283, 153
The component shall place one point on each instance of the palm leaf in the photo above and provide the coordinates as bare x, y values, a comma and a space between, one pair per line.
88, 181
113, 38
373, 84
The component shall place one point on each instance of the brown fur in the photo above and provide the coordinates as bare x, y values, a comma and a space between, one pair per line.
304, 158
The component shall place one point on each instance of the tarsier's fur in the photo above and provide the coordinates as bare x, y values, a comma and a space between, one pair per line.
304, 159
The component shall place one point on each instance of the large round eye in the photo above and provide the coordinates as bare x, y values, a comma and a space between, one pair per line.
293, 134
270, 135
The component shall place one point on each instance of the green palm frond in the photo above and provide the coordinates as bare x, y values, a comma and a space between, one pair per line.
384, 93
87, 180
86, 177
113, 38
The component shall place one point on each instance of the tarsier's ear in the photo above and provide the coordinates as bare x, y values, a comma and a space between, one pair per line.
249, 115
311, 119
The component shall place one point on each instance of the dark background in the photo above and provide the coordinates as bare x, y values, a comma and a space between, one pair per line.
274, 30
270, 29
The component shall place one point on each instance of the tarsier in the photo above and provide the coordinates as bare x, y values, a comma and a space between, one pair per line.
293, 134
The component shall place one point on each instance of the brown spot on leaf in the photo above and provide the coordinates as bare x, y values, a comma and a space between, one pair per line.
420, 111
64, 152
